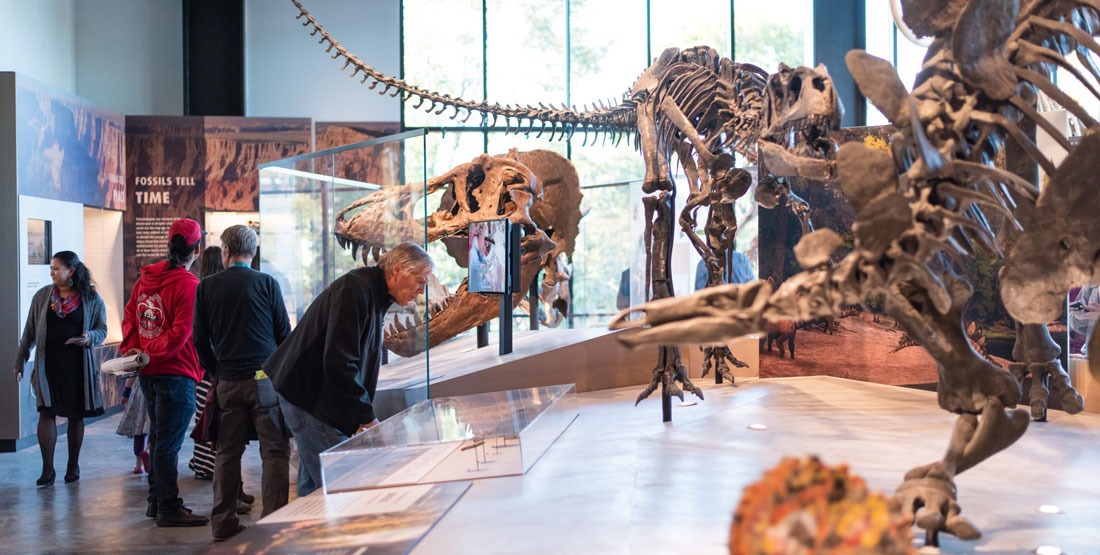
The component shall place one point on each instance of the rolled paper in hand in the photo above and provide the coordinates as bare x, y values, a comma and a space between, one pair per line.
124, 366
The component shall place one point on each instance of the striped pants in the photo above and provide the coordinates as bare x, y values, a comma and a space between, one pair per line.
202, 463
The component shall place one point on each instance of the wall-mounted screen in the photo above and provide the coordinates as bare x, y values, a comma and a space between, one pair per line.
488, 256
38, 241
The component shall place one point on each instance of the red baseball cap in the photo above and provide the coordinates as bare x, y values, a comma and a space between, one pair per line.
188, 228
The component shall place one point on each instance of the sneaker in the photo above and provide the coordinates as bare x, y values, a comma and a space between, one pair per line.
240, 528
245, 498
243, 508
151, 510
180, 518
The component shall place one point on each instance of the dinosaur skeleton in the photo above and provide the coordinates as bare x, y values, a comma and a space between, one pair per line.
695, 105
920, 205
537, 190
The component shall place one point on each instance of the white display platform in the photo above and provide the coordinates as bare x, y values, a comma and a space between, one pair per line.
453, 438
1086, 385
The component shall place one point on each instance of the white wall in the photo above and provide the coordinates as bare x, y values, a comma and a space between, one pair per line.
37, 40
67, 220
125, 55
129, 55
287, 74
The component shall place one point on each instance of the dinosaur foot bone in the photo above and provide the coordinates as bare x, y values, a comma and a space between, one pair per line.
671, 375
720, 358
928, 494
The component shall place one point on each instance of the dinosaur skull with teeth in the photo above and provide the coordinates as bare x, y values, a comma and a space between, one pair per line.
487, 188
800, 110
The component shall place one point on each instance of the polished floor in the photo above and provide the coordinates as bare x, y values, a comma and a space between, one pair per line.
103, 512
621, 481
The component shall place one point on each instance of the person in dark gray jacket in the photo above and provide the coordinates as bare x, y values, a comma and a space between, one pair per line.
67, 318
239, 320
327, 369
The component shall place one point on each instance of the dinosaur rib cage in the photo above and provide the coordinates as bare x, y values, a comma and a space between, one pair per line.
974, 133
721, 99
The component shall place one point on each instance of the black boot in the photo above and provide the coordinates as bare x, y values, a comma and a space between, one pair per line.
180, 518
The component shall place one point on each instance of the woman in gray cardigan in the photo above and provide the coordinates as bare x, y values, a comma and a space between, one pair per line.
67, 319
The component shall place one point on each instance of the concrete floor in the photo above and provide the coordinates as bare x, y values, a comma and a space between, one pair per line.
103, 512
621, 481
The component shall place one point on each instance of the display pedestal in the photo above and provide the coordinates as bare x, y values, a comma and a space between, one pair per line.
1086, 385
453, 438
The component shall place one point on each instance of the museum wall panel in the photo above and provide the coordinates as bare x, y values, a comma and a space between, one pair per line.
129, 55
9, 269
38, 40
285, 76
63, 230
61, 156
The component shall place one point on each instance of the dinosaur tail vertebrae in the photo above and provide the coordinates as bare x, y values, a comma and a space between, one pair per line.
615, 121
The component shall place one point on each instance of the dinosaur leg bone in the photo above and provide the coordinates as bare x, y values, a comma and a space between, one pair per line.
928, 494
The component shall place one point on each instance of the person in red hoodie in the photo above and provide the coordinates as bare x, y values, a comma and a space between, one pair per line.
158, 322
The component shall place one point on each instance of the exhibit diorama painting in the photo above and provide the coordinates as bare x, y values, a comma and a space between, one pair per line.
182, 166
67, 149
380, 165
166, 174
236, 146
382, 522
865, 344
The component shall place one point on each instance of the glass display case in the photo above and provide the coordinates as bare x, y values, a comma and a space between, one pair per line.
453, 438
303, 198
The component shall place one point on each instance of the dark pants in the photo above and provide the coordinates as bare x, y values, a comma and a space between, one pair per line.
244, 405
170, 402
313, 437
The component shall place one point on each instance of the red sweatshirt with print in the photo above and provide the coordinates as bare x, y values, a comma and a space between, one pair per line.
158, 320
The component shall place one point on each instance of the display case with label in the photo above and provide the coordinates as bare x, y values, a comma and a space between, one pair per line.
465, 437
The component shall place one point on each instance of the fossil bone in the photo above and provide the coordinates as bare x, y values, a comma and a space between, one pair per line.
924, 205
489, 187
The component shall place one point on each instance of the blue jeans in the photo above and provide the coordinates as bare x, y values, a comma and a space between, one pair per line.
313, 436
170, 403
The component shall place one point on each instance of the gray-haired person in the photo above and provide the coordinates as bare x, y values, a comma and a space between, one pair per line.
327, 370
240, 320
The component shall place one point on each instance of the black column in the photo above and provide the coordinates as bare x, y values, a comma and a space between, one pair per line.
213, 57
839, 26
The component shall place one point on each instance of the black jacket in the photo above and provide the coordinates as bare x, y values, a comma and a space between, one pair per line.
329, 364
240, 319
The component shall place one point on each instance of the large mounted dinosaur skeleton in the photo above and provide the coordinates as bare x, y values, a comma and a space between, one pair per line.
920, 205
695, 105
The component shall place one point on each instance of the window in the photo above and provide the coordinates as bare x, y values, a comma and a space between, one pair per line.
577, 53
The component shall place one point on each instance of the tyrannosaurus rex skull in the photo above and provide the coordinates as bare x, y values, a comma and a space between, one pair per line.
489, 187
801, 108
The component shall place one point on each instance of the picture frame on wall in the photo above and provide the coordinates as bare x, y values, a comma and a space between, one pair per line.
488, 257
39, 241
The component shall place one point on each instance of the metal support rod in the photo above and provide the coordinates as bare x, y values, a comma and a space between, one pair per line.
483, 335
666, 405
533, 302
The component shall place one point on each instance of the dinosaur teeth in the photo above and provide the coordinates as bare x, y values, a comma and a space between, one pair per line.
398, 328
